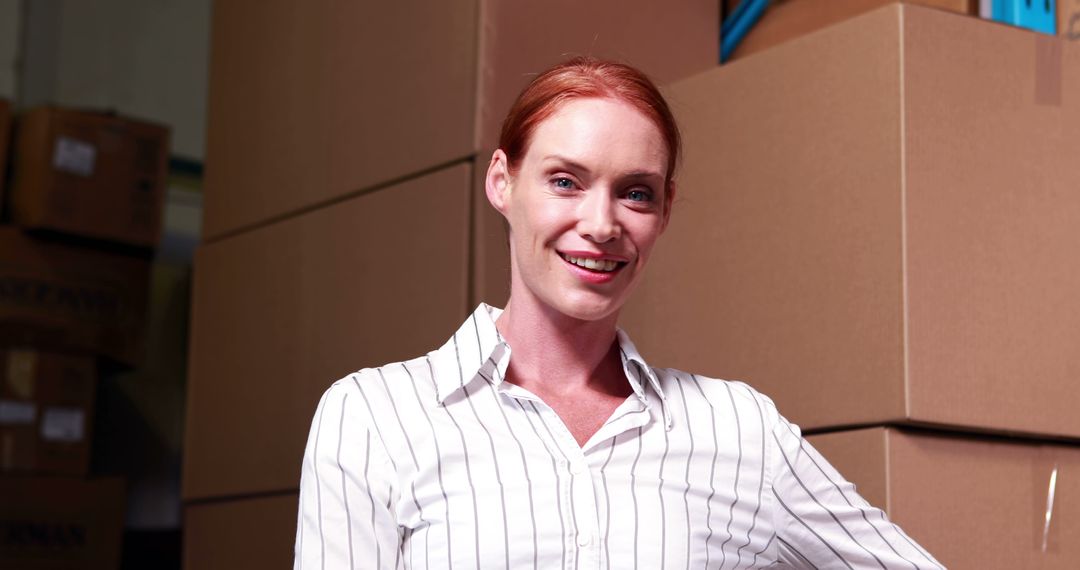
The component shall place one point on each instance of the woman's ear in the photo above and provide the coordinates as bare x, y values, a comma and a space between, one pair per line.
497, 182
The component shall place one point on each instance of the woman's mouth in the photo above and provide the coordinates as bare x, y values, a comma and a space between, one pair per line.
591, 264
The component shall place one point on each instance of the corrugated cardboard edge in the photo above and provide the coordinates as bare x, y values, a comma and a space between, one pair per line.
905, 320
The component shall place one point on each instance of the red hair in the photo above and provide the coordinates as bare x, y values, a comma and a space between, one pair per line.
584, 77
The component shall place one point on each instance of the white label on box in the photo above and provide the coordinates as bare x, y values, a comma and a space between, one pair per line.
14, 412
74, 156
63, 424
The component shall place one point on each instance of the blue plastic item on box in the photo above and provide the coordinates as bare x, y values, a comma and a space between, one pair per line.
1038, 15
735, 26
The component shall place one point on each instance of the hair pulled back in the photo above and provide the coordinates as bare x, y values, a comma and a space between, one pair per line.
586, 77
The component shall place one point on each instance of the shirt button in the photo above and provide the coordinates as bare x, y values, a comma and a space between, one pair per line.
584, 539
577, 468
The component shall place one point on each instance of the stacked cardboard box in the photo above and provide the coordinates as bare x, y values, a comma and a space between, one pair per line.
78, 299
881, 218
85, 206
46, 412
964, 497
86, 203
344, 226
5, 133
61, 523
94, 175
788, 19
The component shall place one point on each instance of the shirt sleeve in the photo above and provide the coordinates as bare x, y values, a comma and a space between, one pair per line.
345, 518
822, 522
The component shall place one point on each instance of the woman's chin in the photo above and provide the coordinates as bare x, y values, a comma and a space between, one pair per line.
587, 307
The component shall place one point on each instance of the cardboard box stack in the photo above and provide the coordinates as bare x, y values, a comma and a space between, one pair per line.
83, 213
877, 227
344, 226
788, 19
5, 133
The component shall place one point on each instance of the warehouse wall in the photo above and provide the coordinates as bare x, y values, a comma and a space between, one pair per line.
144, 59
10, 11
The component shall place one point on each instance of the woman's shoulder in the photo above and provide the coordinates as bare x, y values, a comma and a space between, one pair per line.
384, 381
715, 390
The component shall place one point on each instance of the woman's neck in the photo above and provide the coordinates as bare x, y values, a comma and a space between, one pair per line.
555, 353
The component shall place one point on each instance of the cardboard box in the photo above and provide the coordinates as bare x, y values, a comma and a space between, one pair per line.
788, 19
46, 411
245, 533
90, 174
5, 134
282, 312
69, 298
307, 105
972, 502
1068, 21
58, 523
877, 223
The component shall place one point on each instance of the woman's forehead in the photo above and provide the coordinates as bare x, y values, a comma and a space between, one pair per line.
605, 131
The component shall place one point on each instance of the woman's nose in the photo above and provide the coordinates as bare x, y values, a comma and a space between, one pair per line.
596, 216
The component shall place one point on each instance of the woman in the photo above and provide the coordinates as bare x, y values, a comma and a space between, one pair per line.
574, 452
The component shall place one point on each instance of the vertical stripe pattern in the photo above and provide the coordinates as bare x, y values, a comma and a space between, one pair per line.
438, 462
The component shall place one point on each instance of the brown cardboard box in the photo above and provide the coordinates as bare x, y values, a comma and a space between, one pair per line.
309, 104
90, 174
5, 133
973, 502
46, 411
787, 19
71, 298
57, 523
281, 312
245, 533
1068, 21
877, 223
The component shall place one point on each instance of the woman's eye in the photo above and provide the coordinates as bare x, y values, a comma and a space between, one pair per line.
638, 196
563, 183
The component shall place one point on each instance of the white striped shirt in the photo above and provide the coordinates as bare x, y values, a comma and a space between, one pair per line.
438, 463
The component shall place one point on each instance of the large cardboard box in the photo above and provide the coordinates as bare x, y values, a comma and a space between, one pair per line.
281, 312
311, 103
46, 411
71, 298
244, 533
877, 223
973, 502
59, 523
5, 133
787, 19
90, 174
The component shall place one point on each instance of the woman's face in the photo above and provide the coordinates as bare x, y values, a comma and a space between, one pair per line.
585, 207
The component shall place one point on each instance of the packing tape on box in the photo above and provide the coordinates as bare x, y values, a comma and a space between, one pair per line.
1071, 20
1047, 70
1050, 492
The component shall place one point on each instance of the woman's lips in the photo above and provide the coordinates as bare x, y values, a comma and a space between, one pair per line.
592, 269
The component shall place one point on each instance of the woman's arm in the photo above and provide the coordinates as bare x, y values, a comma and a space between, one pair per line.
822, 522
346, 518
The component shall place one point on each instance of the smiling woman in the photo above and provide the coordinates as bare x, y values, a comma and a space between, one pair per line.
574, 452
585, 205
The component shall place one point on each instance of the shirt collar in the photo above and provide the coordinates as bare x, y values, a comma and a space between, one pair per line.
478, 351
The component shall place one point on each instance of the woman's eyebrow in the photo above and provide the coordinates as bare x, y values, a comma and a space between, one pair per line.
639, 174
572, 164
